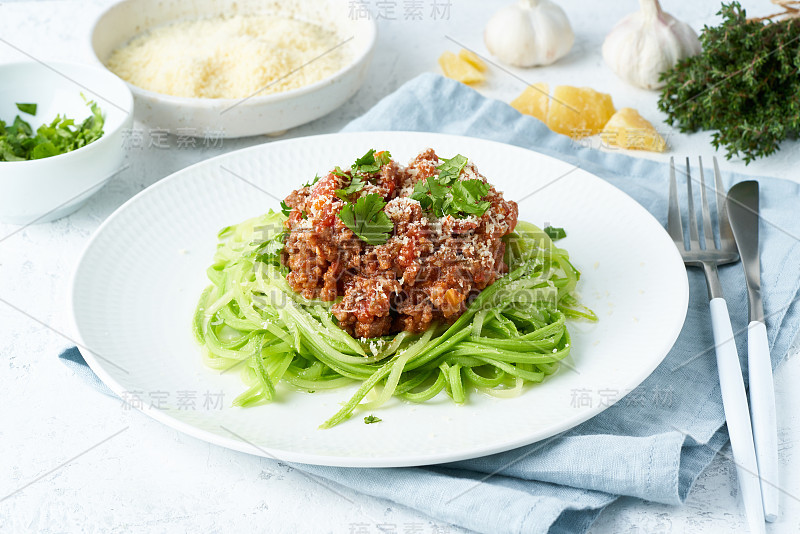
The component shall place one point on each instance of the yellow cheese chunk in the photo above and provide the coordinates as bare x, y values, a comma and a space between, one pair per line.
473, 59
579, 111
456, 68
534, 101
627, 129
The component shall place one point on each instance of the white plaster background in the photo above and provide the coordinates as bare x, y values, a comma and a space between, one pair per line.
150, 478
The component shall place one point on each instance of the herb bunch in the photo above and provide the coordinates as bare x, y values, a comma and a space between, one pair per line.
745, 85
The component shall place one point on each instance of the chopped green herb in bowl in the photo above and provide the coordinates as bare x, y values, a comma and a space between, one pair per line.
57, 146
19, 142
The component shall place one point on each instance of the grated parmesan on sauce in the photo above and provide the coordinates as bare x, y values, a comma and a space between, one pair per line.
229, 57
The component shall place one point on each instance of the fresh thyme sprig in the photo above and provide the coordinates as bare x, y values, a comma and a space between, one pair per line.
744, 84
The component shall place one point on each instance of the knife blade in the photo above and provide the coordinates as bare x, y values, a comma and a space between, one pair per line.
743, 205
743, 211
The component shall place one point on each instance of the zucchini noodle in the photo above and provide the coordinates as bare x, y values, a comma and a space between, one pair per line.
512, 334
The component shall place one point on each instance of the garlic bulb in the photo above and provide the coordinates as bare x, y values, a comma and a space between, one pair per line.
529, 33
645, 44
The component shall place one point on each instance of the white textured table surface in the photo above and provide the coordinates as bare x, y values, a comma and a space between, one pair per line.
72, 460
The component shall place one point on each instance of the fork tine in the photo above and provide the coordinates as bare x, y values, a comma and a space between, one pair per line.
708, 230
694, 240
674, 226
725, 232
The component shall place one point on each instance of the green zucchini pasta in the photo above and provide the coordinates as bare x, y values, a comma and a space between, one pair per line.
512, 334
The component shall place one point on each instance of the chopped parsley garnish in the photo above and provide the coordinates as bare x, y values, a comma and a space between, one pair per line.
444, 194
287, 210
555, 233
450, 169
422, 194
309, 184
372, 419
30, 109
18, 141
371, 161
338, 171
270, 250
356, 185
432, 196
467, 195
367, 219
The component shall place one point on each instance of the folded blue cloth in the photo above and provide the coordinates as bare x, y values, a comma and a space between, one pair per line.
654, 442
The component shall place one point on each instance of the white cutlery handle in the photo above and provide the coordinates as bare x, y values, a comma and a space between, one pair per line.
762, 411
737, 414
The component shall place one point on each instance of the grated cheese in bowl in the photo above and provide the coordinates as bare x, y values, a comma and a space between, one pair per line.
229, 56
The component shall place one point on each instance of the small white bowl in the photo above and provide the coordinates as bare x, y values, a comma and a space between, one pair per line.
260, 114
45, 189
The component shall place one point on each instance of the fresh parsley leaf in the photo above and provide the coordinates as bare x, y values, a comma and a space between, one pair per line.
372, 419
30, 109
432, 195
338, 171
371, 161
555, 233
422, 194
270, 251
444, 194
92, 127
441, 198
436, 187
309, 184
285, 208
356, 185
367, 219
367, 160
450, 169
382, 158
20, 127
461, 199
467, 195
44, 150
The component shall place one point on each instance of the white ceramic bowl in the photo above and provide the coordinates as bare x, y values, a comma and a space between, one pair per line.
45, 189
237, 117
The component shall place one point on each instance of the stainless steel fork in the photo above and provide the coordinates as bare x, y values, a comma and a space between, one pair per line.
708, 255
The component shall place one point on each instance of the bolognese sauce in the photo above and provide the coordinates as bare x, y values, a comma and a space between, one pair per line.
426, 267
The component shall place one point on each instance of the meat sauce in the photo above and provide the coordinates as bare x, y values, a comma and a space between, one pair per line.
428, 270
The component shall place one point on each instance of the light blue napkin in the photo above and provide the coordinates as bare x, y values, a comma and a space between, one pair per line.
651, 444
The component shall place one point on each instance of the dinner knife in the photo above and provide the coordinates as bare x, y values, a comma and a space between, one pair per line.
743, 213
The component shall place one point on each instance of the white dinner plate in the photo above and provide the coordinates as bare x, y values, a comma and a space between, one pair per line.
137, 284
